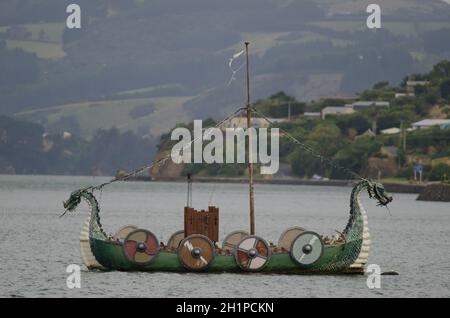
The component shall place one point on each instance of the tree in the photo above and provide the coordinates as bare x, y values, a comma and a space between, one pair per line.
21, 145
355, 155
277, 106
441, 70
327, 137
355, 121
445, 89
381, 85
438, 172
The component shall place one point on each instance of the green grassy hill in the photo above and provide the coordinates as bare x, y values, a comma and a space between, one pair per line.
91, 116
173, 48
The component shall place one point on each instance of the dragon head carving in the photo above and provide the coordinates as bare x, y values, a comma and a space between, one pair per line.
377, 191
74, 200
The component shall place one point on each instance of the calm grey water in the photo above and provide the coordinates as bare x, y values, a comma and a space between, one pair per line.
36, 245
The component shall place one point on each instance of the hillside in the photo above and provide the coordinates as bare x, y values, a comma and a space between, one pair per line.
371, 141
180, 49
26, 148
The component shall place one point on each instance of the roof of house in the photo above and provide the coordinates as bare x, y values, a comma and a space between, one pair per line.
397, 95
391, 131
275, 120
336, 109
431, 122
416, 83
311, 114
257, 122
370, 104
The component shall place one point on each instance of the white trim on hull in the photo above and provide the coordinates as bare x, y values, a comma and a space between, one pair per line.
363, 256
86, 253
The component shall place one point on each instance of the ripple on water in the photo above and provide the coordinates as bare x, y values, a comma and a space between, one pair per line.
36, 245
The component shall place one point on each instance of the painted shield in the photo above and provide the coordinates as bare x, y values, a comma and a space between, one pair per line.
175, 239
196, 252
307, 248
141, 247
252, 253
288, 236
124, 231
233, 239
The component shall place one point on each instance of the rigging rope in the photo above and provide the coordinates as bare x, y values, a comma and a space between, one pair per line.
322, 158
208, 130
164, 159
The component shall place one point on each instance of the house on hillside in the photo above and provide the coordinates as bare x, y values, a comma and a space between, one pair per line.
257, 122
411, 85
342, 98
335, 110
312, 115
428, 123
363, 105
400, 95
390, 131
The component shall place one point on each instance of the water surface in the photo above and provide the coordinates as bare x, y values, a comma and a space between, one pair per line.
36, 245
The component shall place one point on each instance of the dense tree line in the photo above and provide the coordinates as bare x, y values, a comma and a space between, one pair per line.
25, 148
17, 67
342, 138
278, 106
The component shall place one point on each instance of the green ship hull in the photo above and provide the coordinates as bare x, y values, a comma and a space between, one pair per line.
334, 259
349, 255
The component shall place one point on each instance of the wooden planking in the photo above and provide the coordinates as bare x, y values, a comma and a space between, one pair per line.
202, 222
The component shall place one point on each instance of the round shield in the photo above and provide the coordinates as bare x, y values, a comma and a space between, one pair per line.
252, 253
175, 239
196, 252
288, 236
307, 248
124, 231
232, 239
141, 247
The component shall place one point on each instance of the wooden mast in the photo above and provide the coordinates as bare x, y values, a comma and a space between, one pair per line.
250, 154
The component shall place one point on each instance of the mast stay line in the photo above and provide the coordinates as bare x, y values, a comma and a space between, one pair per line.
164, 159
249, 110
332, 163
250, 152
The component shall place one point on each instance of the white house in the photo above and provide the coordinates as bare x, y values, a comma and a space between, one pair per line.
241, 122
390, 131
335, 110
312, 115
417, 83
427, 123
400, 95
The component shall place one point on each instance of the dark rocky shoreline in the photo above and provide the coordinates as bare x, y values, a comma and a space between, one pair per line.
391, 187
435, 192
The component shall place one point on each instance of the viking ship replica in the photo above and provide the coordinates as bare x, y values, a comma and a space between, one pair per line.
196, 248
